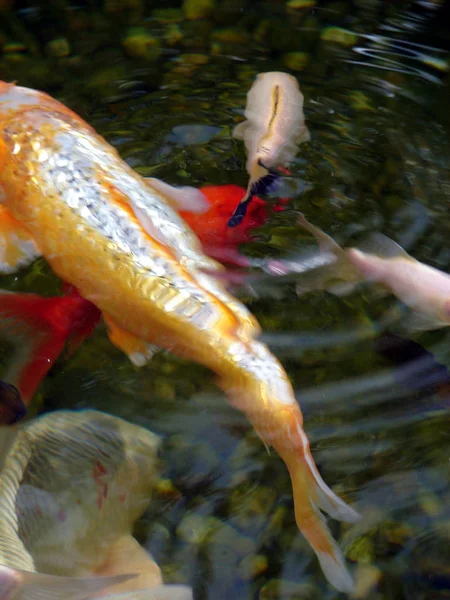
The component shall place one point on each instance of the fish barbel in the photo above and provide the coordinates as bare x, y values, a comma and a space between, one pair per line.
119, 240
72, 485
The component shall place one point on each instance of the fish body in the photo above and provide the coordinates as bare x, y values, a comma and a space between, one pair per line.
72, 484
424, 289
273, 129
121, 243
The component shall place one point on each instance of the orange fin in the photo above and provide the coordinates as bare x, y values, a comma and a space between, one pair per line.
38, 329
311, 494
17, 247
137, 350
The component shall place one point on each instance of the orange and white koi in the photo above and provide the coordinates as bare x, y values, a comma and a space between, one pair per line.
120, 242
273, 129
69, 515
40, 329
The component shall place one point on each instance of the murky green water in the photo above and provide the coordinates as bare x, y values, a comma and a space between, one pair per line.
375, 76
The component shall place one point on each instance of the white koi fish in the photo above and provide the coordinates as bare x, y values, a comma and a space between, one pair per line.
272, 132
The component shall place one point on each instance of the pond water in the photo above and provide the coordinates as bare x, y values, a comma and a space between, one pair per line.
165, 83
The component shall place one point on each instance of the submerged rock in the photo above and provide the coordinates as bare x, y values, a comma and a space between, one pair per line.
338, 35
198, 9
280, 589
296, 61
140, 43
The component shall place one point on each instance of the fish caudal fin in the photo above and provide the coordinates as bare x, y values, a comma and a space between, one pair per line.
24, 585
311, 494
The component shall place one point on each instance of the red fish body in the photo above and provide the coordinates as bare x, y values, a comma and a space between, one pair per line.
121, 243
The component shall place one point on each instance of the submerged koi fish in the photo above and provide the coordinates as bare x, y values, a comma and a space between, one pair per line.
422, 288
70, 514
272, 132
120, 242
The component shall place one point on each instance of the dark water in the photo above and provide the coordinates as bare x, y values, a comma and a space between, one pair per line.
166, 91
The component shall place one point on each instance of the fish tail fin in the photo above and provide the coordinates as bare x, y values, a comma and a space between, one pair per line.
311, 494
36, 586
38, 328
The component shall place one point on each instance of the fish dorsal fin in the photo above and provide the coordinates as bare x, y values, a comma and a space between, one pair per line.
380, 245
325, 242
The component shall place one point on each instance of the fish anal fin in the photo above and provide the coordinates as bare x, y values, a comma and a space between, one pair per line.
36, 586
17, 246
137, 350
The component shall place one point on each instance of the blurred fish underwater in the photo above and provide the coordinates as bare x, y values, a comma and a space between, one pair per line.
166, 85
72, 485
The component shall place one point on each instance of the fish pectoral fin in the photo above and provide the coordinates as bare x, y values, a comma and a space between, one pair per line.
185, 198
17, 246
36, 586
160, 592
325, 242
137, 350
240, 129
127, 555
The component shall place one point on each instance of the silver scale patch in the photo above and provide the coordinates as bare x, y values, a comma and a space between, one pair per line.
72, 173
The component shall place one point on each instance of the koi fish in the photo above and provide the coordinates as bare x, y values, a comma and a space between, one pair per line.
41, 328
121, 243
217, 240
422, 288
272, 132
72, 485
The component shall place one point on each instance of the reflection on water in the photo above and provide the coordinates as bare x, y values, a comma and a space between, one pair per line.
166, 91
